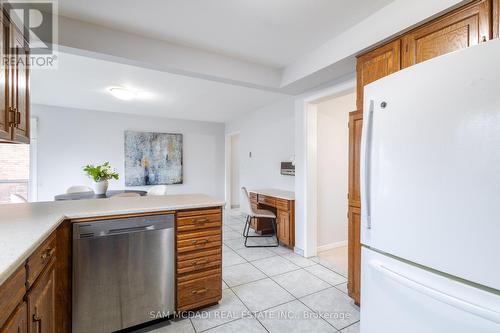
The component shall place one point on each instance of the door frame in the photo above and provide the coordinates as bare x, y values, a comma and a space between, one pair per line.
309, 185
228, 167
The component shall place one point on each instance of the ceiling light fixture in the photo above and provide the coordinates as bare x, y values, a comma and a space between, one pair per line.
122, 93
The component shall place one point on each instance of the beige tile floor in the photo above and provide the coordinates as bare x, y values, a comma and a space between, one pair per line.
337, 258
273, 290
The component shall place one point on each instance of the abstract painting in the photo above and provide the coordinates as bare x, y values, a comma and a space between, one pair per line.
152, 158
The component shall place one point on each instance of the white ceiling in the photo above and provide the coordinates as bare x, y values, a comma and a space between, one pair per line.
82, 82
270, 32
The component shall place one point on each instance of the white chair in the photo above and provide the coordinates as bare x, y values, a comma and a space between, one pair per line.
158, 190
78, 189
246, 208
126, 194
17, 198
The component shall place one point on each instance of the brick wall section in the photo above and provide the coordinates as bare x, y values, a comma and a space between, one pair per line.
14, 161
14, 165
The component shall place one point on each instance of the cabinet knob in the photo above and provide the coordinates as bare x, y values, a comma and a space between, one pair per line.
484, 39
383, 105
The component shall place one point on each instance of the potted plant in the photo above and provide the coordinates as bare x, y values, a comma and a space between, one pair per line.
100, 174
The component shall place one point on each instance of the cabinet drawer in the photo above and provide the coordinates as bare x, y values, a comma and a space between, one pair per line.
199, 291
198, 275
198, 212
199, 263
38, 260
11, 293
267, 200
282, 204
198, 243
198, 254
198, 222
199, 234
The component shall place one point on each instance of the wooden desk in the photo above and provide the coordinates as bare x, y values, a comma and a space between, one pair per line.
282, 203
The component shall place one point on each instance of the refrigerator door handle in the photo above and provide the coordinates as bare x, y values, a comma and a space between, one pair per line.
440, 296
366, 143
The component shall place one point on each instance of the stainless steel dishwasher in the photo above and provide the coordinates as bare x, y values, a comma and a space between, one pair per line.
123, 272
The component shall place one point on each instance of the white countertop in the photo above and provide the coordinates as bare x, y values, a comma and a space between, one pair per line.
23, 227
282, 194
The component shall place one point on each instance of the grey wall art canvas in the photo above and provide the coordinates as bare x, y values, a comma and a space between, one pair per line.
152, 158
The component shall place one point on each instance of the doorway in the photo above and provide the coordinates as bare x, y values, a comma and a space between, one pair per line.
233, 170
332, 179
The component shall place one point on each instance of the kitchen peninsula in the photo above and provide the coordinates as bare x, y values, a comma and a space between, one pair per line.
36, 257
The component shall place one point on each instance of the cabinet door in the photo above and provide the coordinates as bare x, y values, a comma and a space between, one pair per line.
376, 64
283, 221
18, 322
354, 254
355, 126
42, 302
19, 87
5, 131
460, 29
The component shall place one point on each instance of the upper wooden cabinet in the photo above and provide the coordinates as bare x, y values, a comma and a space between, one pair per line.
15, 85
5, 128
376, 64
19, 88
466, 27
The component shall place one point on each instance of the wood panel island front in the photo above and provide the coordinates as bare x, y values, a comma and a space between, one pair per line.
36, 255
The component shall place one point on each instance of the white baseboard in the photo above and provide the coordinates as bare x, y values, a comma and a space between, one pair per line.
331, 246
298, 251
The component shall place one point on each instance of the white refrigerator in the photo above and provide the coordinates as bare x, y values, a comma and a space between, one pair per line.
430, 183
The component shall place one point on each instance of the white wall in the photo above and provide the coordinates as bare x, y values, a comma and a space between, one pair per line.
332, 164
269, 134
306, 163
235, 170
68, 139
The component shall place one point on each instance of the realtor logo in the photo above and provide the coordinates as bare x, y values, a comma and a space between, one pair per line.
35, 25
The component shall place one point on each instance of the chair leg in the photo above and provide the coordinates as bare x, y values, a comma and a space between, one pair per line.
245, 234
246, 225
275, 228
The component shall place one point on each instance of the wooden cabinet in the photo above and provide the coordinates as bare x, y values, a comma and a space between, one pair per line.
285, 217
283, 224
19, 88
463, 28
18, 322
199, 258
5, 127
355, 128
11, 294
354, 254
15, 85
376, 64
42, 302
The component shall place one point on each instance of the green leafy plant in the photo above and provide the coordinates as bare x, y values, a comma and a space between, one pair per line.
100, 172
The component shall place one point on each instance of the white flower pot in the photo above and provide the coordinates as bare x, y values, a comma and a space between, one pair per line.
101, 187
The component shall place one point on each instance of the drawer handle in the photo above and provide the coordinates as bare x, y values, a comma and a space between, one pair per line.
47, 254
200, 262
200, 241
201, 221
199, 291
